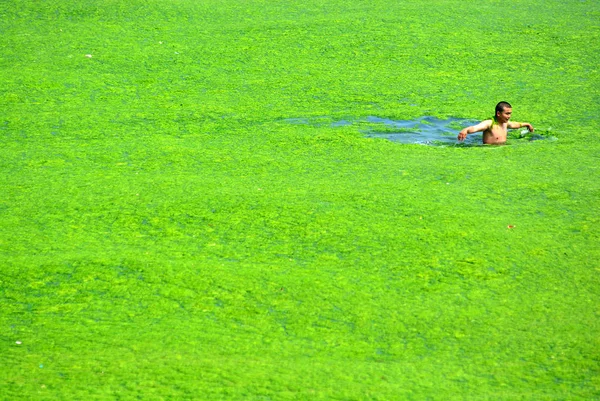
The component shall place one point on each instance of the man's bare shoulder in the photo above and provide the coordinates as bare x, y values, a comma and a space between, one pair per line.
485, 124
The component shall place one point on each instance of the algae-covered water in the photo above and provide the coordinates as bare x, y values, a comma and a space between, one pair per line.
200, 201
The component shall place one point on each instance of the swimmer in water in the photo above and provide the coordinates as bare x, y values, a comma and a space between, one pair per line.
495, 129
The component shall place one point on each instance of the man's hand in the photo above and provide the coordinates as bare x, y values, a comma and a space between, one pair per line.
516, 125
462, 135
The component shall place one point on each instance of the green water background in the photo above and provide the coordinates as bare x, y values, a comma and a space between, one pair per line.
165, 234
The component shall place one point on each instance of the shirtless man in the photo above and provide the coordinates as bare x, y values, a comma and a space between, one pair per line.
494, 130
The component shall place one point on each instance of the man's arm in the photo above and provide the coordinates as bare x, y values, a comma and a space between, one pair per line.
516, 125
482, 126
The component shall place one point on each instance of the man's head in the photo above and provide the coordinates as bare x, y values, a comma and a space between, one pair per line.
503, 111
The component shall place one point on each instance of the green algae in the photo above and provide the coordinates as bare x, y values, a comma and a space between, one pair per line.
168, 233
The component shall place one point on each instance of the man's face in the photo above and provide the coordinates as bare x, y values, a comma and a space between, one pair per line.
504, 115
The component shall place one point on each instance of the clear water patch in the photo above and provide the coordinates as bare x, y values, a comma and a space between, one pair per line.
425, 130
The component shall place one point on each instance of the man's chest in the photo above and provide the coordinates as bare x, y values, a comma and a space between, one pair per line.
498, 129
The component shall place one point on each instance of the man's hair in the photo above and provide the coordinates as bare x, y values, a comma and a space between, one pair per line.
501, 106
